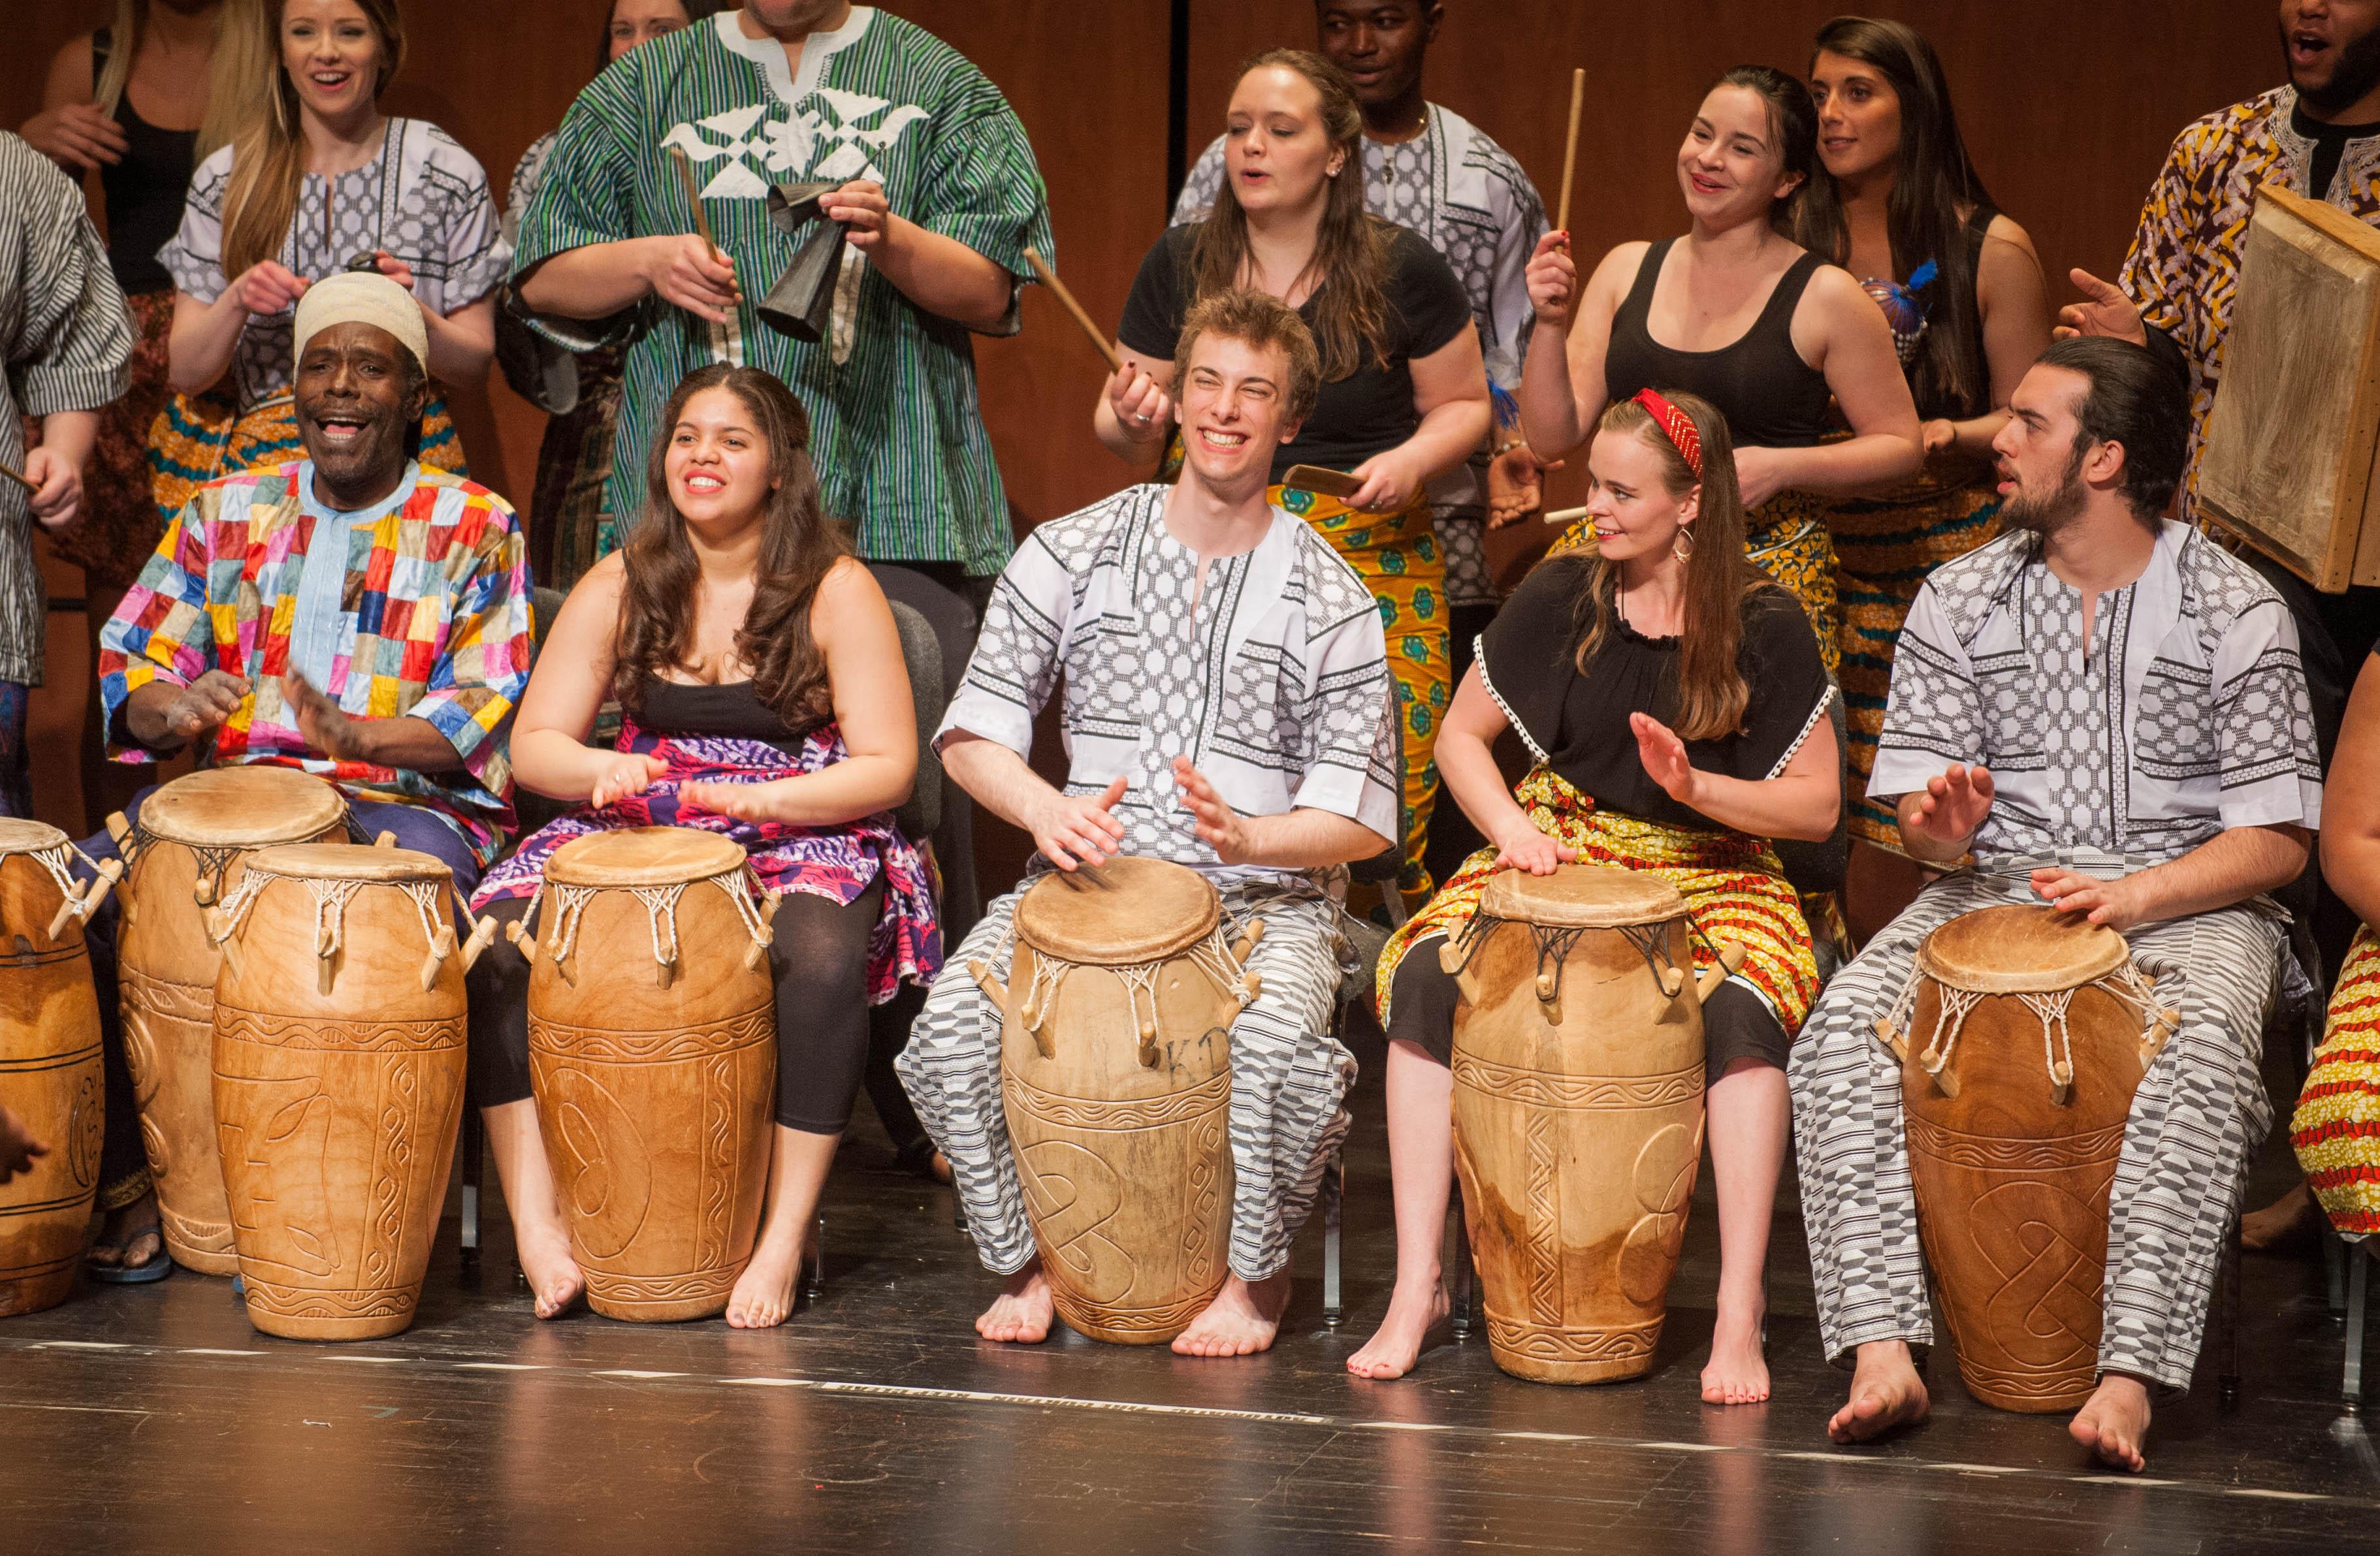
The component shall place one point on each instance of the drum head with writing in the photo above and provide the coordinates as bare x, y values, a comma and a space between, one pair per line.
344, 861
2020, 949
27, 837
643, 856
1583, 895
1147, 909
242, 807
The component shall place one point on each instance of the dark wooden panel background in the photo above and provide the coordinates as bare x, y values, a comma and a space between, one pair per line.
2068, 109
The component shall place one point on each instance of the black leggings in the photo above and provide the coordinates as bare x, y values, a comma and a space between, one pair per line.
820, 962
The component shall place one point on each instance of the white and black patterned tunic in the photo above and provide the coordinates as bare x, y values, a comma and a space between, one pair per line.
2183, 713
422, 199
67, 343
1274, 683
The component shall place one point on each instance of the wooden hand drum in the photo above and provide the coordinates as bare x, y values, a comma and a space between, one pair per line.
1116, 1079
1578, 1113
49, 1064
338, 1079
2031, 1030
652, 1047
184, 854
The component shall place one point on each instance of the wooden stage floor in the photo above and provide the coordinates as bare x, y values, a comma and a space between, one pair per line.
155, 1418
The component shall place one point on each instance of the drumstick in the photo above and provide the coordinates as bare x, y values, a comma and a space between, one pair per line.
20, 477
1049, 279
1325, 482
1570, 150
1565, 515
694, 198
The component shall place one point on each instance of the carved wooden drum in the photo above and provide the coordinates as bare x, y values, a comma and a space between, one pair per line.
1116, 1079
652, 1046
186, 853
49, 1063
1578, 1113
338, 1079
2031, 1031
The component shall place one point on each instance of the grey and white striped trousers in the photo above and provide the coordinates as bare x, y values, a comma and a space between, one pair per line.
1289, 1076
2197, 1119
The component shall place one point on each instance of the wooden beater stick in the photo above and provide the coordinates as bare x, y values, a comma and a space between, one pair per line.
1569, 147
694, 198
20, 477
1058, 288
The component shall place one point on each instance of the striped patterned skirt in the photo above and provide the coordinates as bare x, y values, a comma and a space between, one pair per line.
2336, 1129
198, 438
1734, 888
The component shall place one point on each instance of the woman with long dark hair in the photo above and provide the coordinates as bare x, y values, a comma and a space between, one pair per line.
1672, 697
1896, 200
761, 673
1405, 393
1739, 313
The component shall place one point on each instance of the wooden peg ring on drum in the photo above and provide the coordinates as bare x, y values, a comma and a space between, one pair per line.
440, 949
119, 828
1945, 1081
986, 980
1248, 943
385, 840
755, 953
1890, 1035
483, 934
1148, 1054
664, 973
2061, 1084
1730, 960
202, 890
522, 940
1673, 978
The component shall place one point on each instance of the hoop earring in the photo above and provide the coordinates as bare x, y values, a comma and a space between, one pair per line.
1682, 548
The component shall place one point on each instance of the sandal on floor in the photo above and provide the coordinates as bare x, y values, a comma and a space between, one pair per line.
159, 1266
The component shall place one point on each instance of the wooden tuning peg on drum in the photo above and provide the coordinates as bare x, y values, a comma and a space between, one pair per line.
759, 951
989, 982
2062, 1082
520, 939
440, 948
385, 840
1890, 1035
83, 904
483, 935
1731, 958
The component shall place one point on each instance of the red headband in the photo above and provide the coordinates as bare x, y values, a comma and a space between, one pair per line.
1676, 426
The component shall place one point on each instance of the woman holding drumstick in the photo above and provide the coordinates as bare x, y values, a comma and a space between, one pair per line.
1404, 396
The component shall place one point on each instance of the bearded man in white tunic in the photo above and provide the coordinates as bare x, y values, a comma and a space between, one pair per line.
1226, 707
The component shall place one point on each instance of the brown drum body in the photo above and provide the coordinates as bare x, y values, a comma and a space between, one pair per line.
49, 1075
2011, 1184
199, 829
336, 1106
1578, 1118
656, 1086
1117, 1087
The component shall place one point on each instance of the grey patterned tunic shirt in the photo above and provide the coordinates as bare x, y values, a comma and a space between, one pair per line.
2183, 712
1274, 683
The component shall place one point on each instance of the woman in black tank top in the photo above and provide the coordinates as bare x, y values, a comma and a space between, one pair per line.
1739, 314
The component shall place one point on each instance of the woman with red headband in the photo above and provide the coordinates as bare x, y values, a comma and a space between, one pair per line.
1672, 696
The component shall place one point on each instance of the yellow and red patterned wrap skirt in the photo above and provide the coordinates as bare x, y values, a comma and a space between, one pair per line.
1735, 890
198, 438
2336, 1129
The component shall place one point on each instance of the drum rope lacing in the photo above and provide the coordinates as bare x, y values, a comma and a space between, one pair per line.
661, 911
331, 899
1212, 955
2128, 985
1554, 941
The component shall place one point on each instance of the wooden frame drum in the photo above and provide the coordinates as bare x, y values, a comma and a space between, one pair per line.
184, 854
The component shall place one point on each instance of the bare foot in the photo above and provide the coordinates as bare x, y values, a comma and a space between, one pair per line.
1023, 1311
2114, 1422
128, 1237
1886, 1392
1239, 1322
553, 1275
1413, 1311
2285, 1221
1738, 1373
764, 1298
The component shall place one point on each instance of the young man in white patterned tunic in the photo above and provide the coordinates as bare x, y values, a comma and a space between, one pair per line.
2109, 710
1226, 707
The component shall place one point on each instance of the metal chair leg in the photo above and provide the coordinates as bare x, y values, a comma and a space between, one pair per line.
1461, 1282
814, 1268
2359, 1274
2227, 1382
474, 1147
1334, 1199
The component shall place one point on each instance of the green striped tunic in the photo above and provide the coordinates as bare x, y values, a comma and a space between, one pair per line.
897, 432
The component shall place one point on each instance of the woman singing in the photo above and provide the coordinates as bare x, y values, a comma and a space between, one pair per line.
1672, 697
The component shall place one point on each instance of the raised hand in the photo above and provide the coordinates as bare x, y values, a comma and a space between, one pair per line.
1219, 827
2104, 310
268, 286
682, 270
631, 772
1552, 279
1954, 806
1068, 829
393, 268
1516, 485
1664, 756
1140, 405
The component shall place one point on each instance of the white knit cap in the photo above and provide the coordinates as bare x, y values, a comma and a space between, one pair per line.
363, 297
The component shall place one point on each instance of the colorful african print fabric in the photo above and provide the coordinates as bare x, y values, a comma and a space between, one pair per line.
836, 863
433, 624
1397, 556
2183, 270
2336, 1129
1734, 888
197, 439
896, 428
1884, 548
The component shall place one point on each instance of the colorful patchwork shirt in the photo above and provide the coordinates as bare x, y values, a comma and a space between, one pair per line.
433, 622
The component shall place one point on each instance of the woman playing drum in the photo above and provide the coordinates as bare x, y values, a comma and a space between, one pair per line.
1674, 702
1405, 393
760, 674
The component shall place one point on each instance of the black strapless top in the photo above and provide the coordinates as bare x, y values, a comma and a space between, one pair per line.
145, 190
722, 710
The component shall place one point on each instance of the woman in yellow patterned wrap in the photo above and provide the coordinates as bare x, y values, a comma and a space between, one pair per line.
2336, 1131
1674, 698
1404, 392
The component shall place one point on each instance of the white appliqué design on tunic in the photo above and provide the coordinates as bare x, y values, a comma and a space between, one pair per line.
838, 143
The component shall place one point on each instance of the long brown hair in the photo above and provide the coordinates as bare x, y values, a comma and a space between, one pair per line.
268, 160
800, 545
1712, 696
1350, 252
237, 69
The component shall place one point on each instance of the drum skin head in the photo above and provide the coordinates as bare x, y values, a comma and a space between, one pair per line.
243, 806
1149, 910
344, 861
1582, 897
643, 856
2020, 949
27, 837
